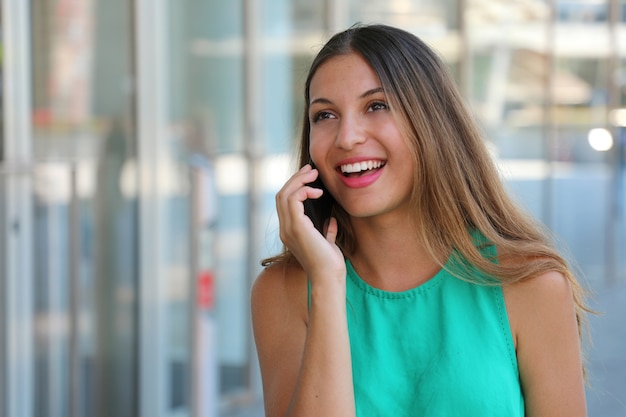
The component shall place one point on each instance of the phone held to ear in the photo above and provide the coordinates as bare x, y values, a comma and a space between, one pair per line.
319, 209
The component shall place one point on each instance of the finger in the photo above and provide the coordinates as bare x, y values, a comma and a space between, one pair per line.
297, 186
304, 176
331, 230
290, 204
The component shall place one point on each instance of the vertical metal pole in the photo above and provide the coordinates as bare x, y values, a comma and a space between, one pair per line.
204, 373
3, 293
252, 65
75, 385
18, 359
150, 41
549, 129
464, 52
613, 91
51, 347
194, 267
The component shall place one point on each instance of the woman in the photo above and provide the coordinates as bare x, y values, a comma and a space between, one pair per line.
429, 293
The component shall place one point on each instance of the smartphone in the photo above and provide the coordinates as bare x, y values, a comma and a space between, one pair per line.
319, 209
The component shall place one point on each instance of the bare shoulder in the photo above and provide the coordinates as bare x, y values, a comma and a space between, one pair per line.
279, 306
542, 315
546, 296
545, 300
282, 287
550, 285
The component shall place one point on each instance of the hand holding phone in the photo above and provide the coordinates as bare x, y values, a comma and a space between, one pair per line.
319, 209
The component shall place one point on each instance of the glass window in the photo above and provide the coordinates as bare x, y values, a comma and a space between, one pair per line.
580, 100
540, 87
214, 71
82, 81
582, 11
2, 156
435, 22
307, 16
215, 99
540, 80
286, 54
619, 185
509, 68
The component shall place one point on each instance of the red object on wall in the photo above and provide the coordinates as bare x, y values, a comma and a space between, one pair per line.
206, 290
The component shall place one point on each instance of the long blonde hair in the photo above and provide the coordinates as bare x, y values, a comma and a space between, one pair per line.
457, 187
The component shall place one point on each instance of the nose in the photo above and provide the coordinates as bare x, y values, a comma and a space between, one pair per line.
350, 134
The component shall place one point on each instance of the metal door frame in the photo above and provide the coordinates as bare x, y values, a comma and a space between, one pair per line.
16, 314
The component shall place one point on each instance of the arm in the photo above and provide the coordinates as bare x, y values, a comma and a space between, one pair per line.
543, 321
304, 354
305, 367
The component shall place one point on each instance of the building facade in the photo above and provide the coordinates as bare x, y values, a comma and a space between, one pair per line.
143, 141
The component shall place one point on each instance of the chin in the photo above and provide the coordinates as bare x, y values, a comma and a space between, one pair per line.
364, 212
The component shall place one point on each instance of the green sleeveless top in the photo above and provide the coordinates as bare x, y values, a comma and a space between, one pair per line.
442, 349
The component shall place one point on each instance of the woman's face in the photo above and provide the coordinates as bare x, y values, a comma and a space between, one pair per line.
355, 141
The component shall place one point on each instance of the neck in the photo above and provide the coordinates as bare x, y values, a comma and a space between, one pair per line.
389, 255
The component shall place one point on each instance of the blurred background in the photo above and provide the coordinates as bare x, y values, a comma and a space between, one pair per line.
143, 141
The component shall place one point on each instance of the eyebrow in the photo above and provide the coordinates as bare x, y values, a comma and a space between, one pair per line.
364, 95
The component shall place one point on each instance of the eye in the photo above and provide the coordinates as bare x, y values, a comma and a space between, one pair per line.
321, 116
378, 105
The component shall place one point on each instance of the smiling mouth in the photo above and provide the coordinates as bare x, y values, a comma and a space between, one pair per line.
361, 168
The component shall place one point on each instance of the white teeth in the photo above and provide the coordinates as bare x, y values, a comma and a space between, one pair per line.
360, 166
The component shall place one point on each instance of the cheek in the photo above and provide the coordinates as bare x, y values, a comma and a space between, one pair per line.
317, 147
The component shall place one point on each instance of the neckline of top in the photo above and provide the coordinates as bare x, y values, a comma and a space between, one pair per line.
427, 285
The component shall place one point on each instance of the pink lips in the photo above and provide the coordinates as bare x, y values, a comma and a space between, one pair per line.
362, 181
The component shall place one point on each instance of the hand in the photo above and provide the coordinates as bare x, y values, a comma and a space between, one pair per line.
317, 254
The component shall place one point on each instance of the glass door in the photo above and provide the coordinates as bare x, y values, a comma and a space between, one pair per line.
95, 216
16, 221
85, 293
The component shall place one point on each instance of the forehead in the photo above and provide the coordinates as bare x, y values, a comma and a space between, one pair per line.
347, 71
